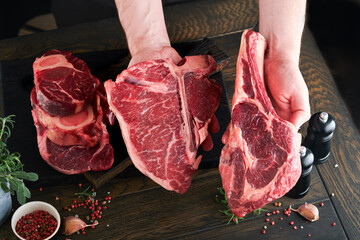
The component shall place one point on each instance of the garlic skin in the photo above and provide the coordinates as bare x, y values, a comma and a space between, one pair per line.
73, 224
308, 211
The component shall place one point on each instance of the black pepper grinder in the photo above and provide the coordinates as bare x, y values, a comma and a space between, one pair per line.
319, 133
303, 184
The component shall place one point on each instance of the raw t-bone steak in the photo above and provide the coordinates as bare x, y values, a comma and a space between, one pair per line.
164, 110
260, 161
70, 111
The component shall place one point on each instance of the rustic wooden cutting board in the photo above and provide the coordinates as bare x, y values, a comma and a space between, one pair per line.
16, 78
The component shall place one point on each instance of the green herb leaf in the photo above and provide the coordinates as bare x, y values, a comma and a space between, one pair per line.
4, 188
21, 197
3, 180
13, 184
26, 176
84, 194
26, 191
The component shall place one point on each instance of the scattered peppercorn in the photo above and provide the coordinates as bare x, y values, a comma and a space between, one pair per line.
295, 227
272, 223
321, 204
333, 224
40, 189
292, 223
263, 231
267, 220
309, 235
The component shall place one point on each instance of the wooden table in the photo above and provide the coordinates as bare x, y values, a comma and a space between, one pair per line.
140, 209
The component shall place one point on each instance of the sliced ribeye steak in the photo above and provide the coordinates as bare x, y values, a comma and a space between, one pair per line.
64, 84
70, 111
260, 161
164, 110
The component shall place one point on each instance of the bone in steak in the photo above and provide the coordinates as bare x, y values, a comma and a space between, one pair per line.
77, 158
260, 161
164, 110
64, 84
71, 134
83, 128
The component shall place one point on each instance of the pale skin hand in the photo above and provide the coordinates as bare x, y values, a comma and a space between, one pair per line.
282, 23
145, 29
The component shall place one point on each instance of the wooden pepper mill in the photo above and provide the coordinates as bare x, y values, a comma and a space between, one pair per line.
319, 133
303, 184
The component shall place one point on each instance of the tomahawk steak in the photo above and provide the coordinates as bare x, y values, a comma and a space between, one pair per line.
260, 160
164, 110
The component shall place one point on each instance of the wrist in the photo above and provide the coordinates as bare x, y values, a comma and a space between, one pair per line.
282, 51
143, 23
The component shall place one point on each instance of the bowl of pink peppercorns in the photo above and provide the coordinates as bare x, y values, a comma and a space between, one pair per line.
35, 221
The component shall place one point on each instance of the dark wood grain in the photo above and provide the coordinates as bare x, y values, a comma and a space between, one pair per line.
343, 181
140, 209
282, 229
202, 18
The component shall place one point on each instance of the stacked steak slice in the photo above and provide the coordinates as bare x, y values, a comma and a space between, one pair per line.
70, 111
164, 110
260, 160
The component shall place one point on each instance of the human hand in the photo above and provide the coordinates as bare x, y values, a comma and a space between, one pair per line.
151, 53
288, 91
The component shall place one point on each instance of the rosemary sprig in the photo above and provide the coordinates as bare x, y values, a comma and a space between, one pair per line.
86, 193
227, 211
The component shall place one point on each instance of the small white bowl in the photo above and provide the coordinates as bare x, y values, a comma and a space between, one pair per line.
31, 207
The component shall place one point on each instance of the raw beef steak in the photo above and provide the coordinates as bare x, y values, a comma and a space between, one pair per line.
83, 128
64, 84
74, 159
164, 110
68, 111
260, 161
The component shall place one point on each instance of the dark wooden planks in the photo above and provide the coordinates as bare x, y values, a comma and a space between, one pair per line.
140, 209
282, 229
187, 21
343, 181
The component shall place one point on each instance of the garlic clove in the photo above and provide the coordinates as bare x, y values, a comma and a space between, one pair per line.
308, 211
73, 224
